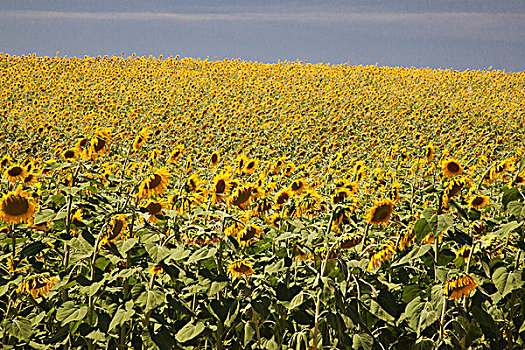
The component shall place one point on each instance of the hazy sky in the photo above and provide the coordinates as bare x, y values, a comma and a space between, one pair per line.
457, 34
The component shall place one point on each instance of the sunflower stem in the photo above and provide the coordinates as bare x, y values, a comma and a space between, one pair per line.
316, 326
13, 242
365, 236
442, 322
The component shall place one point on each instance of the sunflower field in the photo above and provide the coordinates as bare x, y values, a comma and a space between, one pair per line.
178, 203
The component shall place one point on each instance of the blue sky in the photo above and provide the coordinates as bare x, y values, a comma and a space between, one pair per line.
458, 34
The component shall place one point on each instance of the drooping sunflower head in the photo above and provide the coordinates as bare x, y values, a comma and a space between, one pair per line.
155, 183
140, 139
451, 167
340, 195
282, 197
221, 185
430, 153
349, 240
15, 173
298, 186
154, 209
381, 256
100, 142
394, 193
380, 212
459, 286
70, 154
241, 197
248, 235
117, 228
36, 285
19, 206
240, 268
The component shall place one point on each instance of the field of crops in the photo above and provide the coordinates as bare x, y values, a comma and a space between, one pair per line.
179, 203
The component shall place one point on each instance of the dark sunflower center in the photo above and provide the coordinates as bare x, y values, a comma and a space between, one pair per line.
249, 234
241, 268
16, 206
250, 165
153, 183
83, 142
220, 187
28, 178
283, 198
453, 167
99, 144
477, 201
243, 197
455, 190
117, 228
69, 154
296, 186
154, 208
14, 171
381, 213
214, 158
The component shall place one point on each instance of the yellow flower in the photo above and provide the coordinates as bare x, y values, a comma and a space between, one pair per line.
451, 167
15, 173
155, 183
117, 228
479, 201
381, 256
250, 166
215, 159
36, 285
248, 235
155, 270
459, 286
380, 212
240, 268
70, 154
16, 207
241, 197
140, 139
221, 185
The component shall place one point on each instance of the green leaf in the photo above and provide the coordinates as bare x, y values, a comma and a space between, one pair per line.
189, 331
46, 215
508, 227
19, 328
97, 336
201, 254
125, 246
80, 244
70, 312
506, 282
121, 316
444, 221
156, 252
420, 314
249, 332
151, 298
515, 208
362, 341
421, 229
296, 301
509, 195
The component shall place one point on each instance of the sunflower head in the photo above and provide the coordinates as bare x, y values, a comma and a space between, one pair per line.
380, 212
118, 227
215, 159
154, 184
15, 173
70, 154
479, 201
451, 167
240, 268
459, 286
248, 235
16, 207
36, 285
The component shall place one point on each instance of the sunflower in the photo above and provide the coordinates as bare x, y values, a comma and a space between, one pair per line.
30, 179
459, 286
310, 204
175, 155
394, 192
70, 154
117, 227
463, 252
241, 197
100, 142
479, 201
408, 238
215, 159
241, 161
430, 153
250, 166
276, 167
287, 171
221, 185
478, 228
249, 235
154, 209
156, 269
519, 179
451, 167
298, 186
340, 195
140, 139
16, 207
349, 240
15, 173
380, 212
274, 220
6, 160
381, 256
36, 285
155, 183
282, 197
240, 268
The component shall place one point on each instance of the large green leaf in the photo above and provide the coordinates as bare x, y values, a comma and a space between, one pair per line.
122, 315
43, 216
420, 314
19, 327
156, 252
151, 298
506, 282
70, 312
362, 341
189, 331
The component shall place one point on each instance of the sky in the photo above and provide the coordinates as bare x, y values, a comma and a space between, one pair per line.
456, 34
